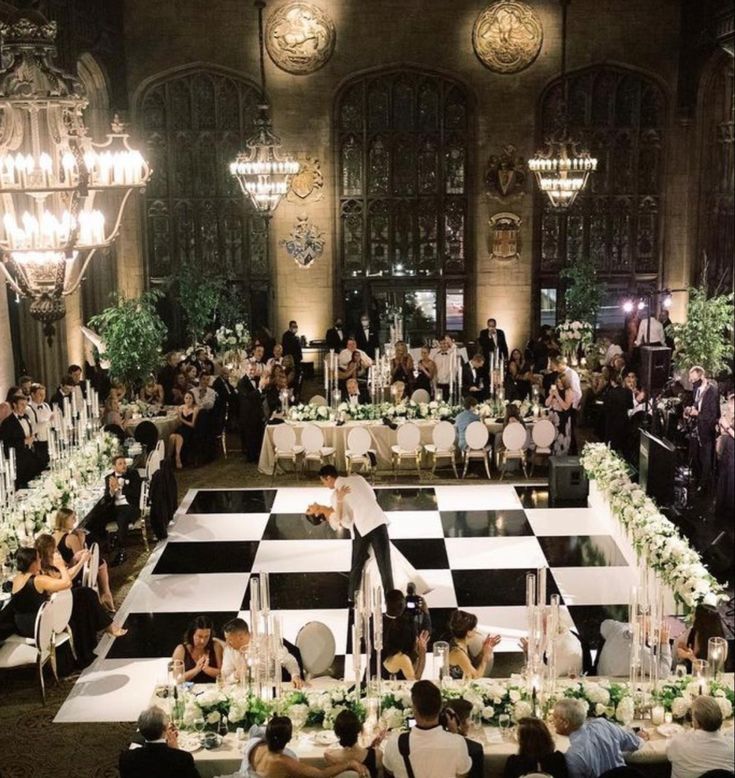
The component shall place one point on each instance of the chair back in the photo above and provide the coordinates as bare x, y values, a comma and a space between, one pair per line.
358, 441
284, 437
61, 613
543, 433
44, 629
116, 430
443, 435
146, 433
420, 396
515, 437
409, 436
316, 643
312, 438
318, 400
476, 435
161, 449
92, 567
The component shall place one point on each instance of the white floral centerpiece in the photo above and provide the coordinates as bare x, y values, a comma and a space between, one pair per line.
573, 335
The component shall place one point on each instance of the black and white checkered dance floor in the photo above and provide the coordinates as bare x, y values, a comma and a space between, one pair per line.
472, 544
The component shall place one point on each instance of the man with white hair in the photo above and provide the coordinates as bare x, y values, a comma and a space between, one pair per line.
595, 745
703, 747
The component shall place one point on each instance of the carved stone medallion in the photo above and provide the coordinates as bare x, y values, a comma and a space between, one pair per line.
299, 37
507, 36
306, 242
308, 181
505, 176
504, 236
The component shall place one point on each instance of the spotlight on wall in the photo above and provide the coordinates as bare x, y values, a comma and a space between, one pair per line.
641, 304
628, 306
668, 301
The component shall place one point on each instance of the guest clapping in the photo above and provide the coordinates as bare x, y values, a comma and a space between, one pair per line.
200, 652
151, 392
536, 752
462, 626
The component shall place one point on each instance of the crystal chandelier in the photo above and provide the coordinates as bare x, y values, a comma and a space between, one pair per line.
562, 168
264, 174
51, 171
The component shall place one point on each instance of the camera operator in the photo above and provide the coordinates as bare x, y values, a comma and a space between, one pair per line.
455, 718
417, 607
404, 647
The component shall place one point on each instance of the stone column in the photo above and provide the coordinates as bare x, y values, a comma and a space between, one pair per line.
129, 250
74, 322
7, 363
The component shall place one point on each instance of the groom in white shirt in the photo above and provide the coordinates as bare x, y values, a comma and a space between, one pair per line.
354, 506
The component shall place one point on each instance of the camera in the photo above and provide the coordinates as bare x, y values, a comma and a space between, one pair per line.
413, 601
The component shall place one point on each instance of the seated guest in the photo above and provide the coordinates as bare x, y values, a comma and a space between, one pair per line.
595, 745
159, 756
398, 392
275, 360
204, 395
404, 650
354, 393
200, 652
289, 370
167, 377
401, 366
180, 387
519, 376
536, 752
613, 350
512, 415
122, 496
457, 715
464, 419
151, 392
71, 543
426, 372
201, 361
66, 387
88, 616
16, 433
347, 728
111, 415
614, 656
432, 751
704, 747
335, 336
40, 414
181, 439
234, 658
693, 643
462, 626
266, 756
473, 378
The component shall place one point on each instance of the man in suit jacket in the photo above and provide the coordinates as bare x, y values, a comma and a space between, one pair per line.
355, 393
159, 756
252, 416
66, 387
292, 345
706, 411
122, 496
492, 341
366, 337
16, 432
473, 378
336, 336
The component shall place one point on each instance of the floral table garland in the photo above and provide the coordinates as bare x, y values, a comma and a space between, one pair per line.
653, 536
491, 698
34, 511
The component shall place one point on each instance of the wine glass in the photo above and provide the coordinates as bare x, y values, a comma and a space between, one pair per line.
198, 725
504, 723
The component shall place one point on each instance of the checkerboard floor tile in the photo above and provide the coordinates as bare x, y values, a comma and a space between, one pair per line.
471, 544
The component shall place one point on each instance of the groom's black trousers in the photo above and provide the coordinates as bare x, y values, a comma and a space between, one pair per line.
378, 539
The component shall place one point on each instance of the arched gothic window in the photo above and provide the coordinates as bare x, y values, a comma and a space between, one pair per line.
619, 115
194, 123
402, 146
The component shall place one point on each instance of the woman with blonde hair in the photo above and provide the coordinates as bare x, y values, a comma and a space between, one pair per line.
72, 544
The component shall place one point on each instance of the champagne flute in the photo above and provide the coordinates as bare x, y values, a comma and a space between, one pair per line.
198, 725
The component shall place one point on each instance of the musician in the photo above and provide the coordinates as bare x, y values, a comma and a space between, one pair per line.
703, 413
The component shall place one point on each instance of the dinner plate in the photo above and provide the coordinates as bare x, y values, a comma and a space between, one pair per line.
325, 738
669, 730
190, 743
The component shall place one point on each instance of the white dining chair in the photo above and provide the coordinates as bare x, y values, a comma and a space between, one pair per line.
357, 452
407, 446
543, 435
312, 439
420, 396
61, 614
285, 447
443, 445
90, 571
515, 442
318, 400
318, 647
476, 436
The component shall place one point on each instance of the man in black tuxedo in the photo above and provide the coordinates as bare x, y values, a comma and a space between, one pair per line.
292, 345
336, 336
705, 410
16, 432
492, 341
66, 387
159, 756
252, 415
355, 393
366, 337
226, 394
122, 497
473, 378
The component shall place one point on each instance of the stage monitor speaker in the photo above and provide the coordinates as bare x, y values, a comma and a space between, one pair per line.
567, 480
655, 364
656, 468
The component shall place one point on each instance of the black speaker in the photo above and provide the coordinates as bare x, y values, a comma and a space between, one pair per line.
656, 468
567, 480
655, 364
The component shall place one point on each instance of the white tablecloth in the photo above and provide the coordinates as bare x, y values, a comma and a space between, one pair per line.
164, 424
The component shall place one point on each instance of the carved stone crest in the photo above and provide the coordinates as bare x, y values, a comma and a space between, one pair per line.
299, 37
504, 237
308, 181
507, 36
505, 175
306, 242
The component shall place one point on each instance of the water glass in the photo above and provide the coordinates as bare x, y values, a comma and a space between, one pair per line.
199, 725
504, 722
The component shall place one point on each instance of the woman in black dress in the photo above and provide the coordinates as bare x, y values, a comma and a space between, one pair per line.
536, 752
181, 439
520, 376
725, 447
401, 367
347, 728
426, 372
31, 588
200, 653
694, 643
